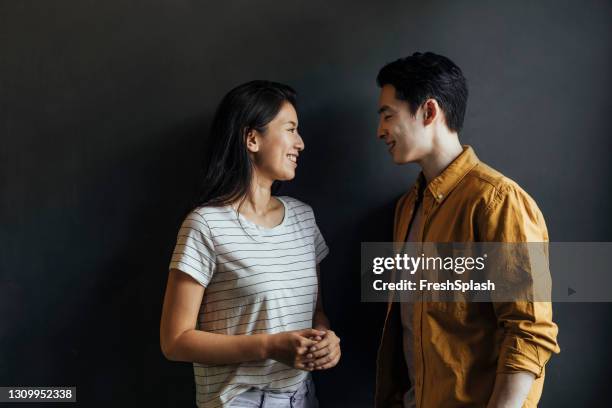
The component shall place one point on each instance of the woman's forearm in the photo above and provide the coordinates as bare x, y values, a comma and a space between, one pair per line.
320, 320
212, 348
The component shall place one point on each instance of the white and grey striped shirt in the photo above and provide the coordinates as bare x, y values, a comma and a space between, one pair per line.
258, 280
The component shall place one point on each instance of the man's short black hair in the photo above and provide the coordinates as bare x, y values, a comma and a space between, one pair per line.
427, 75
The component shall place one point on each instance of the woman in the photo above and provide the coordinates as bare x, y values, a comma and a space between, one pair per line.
242, 300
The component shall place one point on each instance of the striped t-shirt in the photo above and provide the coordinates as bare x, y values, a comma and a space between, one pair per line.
258, 280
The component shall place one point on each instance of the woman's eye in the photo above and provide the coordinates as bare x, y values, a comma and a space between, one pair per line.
292, 130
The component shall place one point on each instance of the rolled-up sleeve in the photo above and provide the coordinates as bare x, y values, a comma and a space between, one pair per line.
530, 335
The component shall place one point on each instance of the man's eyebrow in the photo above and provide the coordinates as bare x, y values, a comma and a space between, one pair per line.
385, 108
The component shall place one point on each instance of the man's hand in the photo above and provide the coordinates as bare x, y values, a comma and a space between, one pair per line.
511, 390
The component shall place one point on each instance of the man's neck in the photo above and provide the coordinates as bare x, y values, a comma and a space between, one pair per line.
445, 149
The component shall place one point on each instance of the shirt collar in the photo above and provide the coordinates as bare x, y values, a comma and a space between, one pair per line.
444, 183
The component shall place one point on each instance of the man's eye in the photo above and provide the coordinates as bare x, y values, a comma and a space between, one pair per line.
387, 117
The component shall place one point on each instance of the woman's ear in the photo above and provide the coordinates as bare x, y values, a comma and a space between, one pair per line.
252, 143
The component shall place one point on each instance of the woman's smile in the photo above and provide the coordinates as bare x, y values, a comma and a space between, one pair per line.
293, 159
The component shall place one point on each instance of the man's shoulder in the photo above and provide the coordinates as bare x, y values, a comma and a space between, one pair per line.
487, 179
490, 185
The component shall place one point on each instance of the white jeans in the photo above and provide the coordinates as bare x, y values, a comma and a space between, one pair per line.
303, 397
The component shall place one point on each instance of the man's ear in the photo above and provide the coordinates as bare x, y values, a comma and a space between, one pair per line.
431, 110
252, 143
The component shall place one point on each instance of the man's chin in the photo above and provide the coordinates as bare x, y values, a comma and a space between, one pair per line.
402, 160
405, 158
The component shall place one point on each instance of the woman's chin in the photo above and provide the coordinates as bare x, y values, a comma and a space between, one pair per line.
288, 178
285, 175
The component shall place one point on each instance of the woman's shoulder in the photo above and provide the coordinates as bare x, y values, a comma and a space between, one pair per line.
210, 213
295, 205
208, 220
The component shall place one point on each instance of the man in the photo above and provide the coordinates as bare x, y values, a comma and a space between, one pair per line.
455, 354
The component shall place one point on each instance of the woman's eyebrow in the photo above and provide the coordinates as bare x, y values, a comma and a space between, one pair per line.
292, 122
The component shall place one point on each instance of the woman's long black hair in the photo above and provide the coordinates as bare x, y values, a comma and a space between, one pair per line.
250, 106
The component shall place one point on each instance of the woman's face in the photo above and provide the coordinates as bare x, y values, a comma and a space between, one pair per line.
275, 152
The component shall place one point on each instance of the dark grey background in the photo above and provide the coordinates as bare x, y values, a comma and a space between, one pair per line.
104, 107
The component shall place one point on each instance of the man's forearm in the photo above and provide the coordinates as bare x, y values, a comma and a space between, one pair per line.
511, 390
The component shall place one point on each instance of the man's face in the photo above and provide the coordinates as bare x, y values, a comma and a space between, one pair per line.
401, 131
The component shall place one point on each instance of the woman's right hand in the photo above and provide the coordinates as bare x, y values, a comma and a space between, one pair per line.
291, 347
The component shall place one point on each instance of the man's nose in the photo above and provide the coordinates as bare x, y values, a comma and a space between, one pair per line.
381, 132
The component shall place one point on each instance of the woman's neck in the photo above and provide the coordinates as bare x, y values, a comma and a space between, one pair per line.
258, 199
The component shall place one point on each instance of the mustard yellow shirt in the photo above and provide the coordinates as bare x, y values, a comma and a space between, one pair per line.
460, 347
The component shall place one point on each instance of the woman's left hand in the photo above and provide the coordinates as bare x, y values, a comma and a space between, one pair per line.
326, 353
